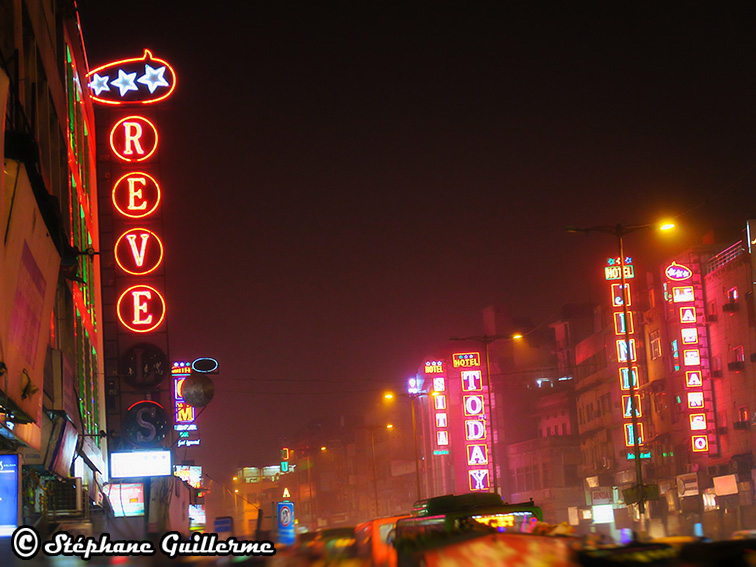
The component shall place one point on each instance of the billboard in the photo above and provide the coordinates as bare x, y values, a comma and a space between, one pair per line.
139, 464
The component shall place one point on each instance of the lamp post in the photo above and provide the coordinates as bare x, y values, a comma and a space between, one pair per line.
487, 340
412, 397
372, 429
619, 231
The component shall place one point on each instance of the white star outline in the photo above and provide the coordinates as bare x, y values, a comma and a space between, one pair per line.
125, 82
153, 78
99, 84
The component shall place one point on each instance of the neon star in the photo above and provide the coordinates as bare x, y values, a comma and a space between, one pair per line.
99, 84
153, 78
125, 82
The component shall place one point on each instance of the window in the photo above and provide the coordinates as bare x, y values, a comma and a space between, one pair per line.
743, 413
739, 353
732, 294
656, 350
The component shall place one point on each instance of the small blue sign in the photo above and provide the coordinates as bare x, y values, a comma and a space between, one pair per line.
9, 491
286, 533
223, 524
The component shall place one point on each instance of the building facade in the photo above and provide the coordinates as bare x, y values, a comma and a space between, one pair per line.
51, 343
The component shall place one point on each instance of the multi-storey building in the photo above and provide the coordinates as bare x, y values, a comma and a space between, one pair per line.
51, 345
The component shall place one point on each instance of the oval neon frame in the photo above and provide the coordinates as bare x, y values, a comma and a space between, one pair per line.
157, 264
126, 159
118, 309
157, 201
146, 57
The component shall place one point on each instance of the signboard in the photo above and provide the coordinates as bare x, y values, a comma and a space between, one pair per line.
126, 499
286, 533
139, 464
10, 469
223, 524
687, 484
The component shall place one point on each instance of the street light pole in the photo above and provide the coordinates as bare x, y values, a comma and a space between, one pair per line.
629, 363
414, 435
619, 231
412, 397
375, 476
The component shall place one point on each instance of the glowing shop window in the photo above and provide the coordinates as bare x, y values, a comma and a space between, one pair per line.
619, 323
622, 350
617, 295
624, 379
442, 437
693, 379
695, 400
440, 402
477, 454
472, 381
700, 443
439, 384
698, 422
627, 405
441, 420
689, 335
474, 405
732, 294
692, 357
682, 294
478, 479
687, 314
629, 436
475, 430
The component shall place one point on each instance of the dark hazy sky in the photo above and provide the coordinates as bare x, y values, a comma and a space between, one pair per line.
347, 184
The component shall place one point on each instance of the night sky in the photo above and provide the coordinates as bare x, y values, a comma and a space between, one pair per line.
347, 184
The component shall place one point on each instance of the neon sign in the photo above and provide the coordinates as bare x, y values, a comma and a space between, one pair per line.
141, 308
134, 139
700, 443
466, 359
434, 366
136, 195
472, 381
477, 454
478, 479
138, 251
630, 437
678, 272
141, 80
686, 300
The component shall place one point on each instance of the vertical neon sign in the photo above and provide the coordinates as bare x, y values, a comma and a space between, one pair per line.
621, 299
474, 417
686, 305
434, 369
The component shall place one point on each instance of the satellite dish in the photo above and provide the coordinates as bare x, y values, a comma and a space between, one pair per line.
198, 389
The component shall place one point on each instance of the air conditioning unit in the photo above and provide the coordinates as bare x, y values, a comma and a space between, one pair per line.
711, 318
716, 373
736, 366
753, 357
741, 425
64, 496
730, 307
